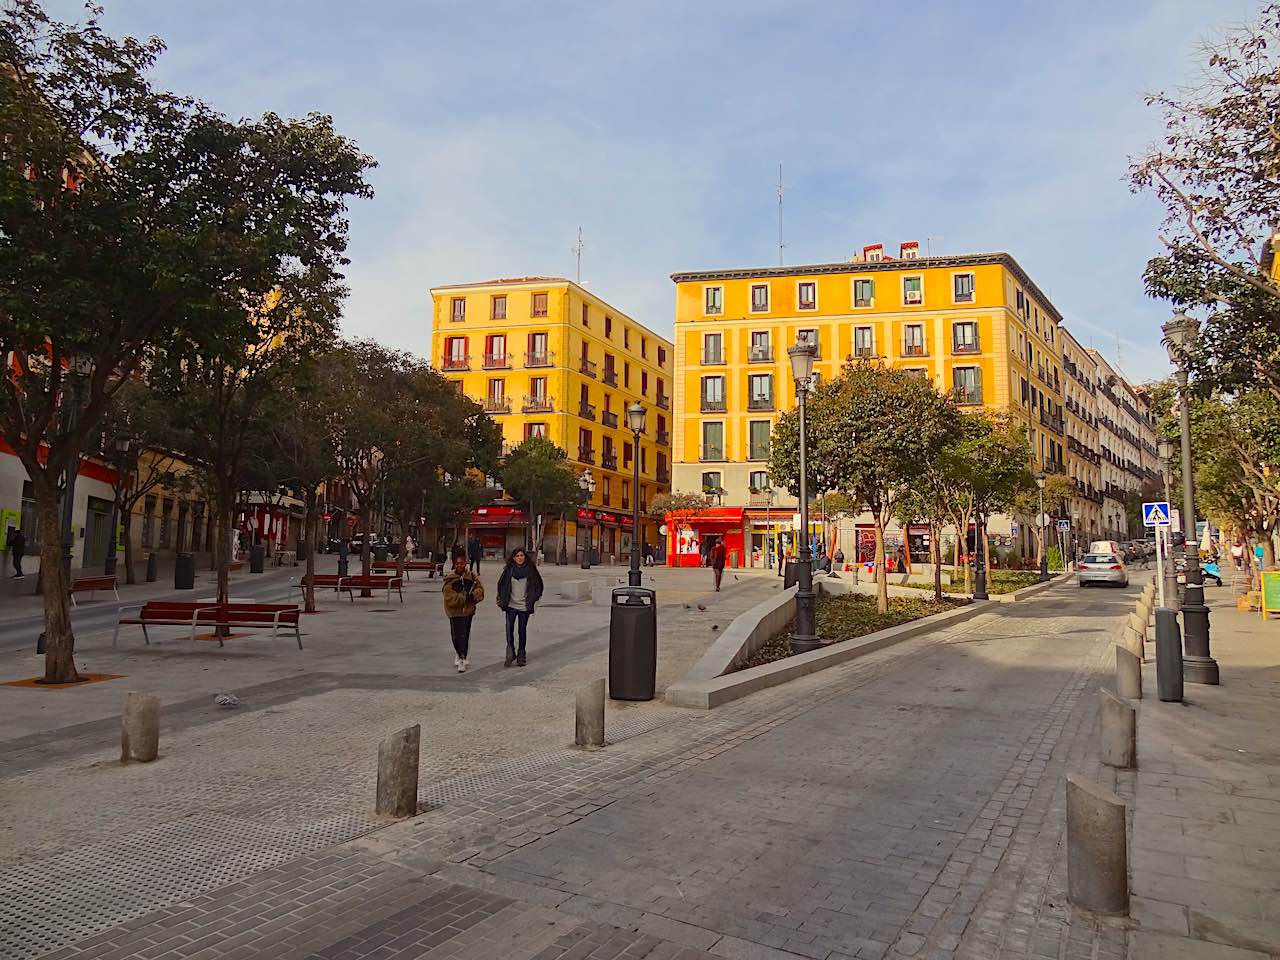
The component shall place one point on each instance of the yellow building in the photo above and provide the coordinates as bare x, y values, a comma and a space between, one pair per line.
975, 324
548, 358
1084, 458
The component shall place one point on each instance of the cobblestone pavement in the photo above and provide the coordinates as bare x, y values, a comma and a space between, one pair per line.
906, 804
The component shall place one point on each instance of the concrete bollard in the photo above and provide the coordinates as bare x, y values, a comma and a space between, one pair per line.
1139, 624
1168, 656
1119, 731
588, 729
1128, 674
1132, 642
140, 727
1097, 859
398, 773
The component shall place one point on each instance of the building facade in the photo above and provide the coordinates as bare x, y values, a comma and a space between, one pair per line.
976, 325
545, 357
1084, 459
1127, 442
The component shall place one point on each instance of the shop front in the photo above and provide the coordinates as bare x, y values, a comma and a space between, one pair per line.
689, 540
499, 528
605, 533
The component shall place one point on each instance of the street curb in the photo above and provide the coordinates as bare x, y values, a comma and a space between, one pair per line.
708, 694
1032, 590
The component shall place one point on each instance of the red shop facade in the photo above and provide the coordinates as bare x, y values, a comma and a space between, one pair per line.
501, 529
687, 546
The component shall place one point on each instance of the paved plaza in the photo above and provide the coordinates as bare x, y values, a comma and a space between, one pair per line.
909, 803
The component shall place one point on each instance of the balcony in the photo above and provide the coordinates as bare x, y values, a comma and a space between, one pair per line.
712, 405
712, 454
539, 358
587, 411
586, 455
966, 348
587, 368
457, 363
610, 377
538, 405
760, 403
496, 361
664, 403
1052, 421
497, 405
760, 354
609, 418
663, 475
664, 438
968, 396
862, 352
1053, 466
712, 358
914, 350
609, 460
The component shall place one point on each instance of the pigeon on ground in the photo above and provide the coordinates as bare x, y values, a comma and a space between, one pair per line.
227, 700
687, 607
702, 606
715, 626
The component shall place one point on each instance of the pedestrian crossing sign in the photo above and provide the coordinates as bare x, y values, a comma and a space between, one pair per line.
1155, 514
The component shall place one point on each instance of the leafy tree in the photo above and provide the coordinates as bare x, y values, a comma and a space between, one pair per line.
538, 475
872, 431
931, 494
134, 219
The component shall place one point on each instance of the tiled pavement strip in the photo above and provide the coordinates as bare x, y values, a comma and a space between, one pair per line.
905, 804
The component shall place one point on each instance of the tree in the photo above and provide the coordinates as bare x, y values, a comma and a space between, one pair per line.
538, 475
1058, 490
133, 219
931, 494
677, 508
872, 431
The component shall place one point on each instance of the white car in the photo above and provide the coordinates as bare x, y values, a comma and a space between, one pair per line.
1105, 568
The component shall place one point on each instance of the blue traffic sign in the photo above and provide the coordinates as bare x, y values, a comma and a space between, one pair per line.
1155, 514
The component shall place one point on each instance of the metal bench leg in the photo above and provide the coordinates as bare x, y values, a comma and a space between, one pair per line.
73, 599
115, 637
115, 591
146, 636
297, 633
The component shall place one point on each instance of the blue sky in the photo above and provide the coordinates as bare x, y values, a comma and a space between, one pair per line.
657, 127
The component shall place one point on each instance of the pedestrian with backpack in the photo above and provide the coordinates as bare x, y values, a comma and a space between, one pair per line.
462, 591
519, 590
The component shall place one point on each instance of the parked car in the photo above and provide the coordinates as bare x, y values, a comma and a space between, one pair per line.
1105, 546
356, 546
1105, 568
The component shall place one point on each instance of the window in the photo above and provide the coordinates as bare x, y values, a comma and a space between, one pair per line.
864, 342
662, 356
864, 293
713, 441
759, 298
761, 348
760, 391
535, 430
626, 453
712, 348
626, 494
458, 309
758, 481
644, 381
807, 295
586, 314
644, 459
713, 301
585, 453
538, 389
811, 337
711, 481
538, 355
455, 353
964, 337
967, 383
626, 374
608, 325
166, 521
30, 523
962, 288
539, 306
495, 350
644, 347
913, 340
148, 521
498, 307
712, 394
758, 439
913, 290
662, 390
626, 337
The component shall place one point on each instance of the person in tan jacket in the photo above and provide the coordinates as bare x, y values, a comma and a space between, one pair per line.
462, 591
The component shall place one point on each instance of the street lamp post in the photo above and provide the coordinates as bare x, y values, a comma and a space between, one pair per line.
120, 462
980, 557
588, 484
1170, 570
635, 419
1044, 535
1198, 664
804, 636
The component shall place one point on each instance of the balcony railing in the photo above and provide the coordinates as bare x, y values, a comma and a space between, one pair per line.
609, 460
712, 405
586, 455
1052, 421
497, 361
587, 411
664, 438
1054, 466
497, 405
968, 395
966, 347
664, 402
760, 403
712, 453
587, 367
760, 354
609, 418
913, 350
868, 351
457, 363
711, 358
539, 358
538, 405
610, 377
663, 475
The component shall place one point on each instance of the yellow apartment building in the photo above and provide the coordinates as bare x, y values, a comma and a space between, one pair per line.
1084, 458
546, 357
976, 324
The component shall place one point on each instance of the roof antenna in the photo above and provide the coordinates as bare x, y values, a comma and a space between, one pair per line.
576, 249
781, 190
928, 243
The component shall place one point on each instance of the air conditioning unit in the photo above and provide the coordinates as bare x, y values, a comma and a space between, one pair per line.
915, 296
759, 353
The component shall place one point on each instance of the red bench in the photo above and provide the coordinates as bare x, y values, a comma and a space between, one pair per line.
92, 584
410, 566
239, 616
321, 581
376, 581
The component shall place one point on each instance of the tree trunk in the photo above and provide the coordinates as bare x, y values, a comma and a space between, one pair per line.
964, 538
310, 539
225, 508
935, 553
882, 575
126, 521
60, 642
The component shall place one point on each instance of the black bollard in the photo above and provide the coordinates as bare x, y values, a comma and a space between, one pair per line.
1168, 656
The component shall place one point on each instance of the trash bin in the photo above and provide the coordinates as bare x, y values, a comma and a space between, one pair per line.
153, 568
257, 558
342, 566
633, 643
380, 552
184, 572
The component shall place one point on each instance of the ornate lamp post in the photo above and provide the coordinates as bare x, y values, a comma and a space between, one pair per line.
588, 484
635, 420
1044, 535
1170, 571
804, 636
1198, 664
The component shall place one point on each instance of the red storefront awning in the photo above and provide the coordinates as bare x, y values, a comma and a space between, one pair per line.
499, 517
605, 517
712, 516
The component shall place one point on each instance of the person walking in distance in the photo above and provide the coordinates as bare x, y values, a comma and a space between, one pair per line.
519, 590
18, 549
462, 591
716, 558
475, 553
